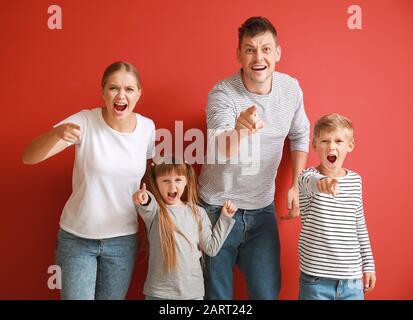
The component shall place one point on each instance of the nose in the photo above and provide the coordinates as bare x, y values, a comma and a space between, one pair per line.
259, 55
121, 93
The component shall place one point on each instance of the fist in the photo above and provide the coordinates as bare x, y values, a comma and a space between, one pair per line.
69, 132
228, 209
248, 120
141, 196
328, 185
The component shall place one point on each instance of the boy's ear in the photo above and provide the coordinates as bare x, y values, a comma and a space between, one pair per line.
351, 146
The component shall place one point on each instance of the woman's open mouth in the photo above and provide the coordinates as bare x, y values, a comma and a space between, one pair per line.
120, 106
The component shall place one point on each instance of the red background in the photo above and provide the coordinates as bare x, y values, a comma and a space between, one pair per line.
182, 48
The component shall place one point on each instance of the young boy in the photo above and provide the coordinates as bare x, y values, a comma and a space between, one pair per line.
334, 246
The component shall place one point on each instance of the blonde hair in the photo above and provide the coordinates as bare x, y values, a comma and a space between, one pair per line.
167, 227
331, 122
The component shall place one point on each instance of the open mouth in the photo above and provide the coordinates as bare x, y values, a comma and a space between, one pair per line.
258, 68
120, 106
172, 195
331, 159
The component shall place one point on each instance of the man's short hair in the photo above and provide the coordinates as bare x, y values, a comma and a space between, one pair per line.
253, 26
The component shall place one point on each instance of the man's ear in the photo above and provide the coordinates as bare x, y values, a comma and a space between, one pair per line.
278, 53
239, 54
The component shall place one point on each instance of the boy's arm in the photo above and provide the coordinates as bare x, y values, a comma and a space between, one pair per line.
365, 248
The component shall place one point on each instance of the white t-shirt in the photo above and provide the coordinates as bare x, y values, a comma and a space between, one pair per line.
108, 169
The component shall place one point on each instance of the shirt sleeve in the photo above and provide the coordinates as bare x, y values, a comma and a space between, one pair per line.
80, 119
299, 134
363, 237
151, 145
220, 110
149, 211
307, 182
212, 239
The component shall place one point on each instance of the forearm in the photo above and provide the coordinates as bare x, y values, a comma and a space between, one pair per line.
298, 161
43, 147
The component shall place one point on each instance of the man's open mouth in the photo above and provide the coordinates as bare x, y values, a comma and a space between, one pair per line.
259, 68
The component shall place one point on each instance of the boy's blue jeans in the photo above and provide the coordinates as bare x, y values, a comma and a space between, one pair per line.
316, 288
95, 269
253, 244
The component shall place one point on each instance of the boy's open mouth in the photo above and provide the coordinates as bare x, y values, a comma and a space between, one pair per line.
332, 159
120, 106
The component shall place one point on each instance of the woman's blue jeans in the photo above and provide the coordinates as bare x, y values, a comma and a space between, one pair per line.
95, 269
253, 244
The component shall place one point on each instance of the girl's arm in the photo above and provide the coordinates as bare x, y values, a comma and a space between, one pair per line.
146, 206
212, 239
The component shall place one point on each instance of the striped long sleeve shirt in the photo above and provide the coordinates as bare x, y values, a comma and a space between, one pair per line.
250, 183
334, 241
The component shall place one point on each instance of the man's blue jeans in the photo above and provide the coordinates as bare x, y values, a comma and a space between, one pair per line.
253, 244
316, 288
95, 269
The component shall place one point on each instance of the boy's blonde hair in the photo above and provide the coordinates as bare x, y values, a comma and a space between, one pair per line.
330, 122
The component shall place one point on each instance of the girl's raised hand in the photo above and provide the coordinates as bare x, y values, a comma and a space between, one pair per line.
228, 209
141, 196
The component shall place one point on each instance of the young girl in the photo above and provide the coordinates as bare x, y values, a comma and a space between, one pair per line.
178, 232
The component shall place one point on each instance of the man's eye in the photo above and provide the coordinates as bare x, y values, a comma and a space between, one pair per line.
267, 50
129, 89
112, 88
248, 50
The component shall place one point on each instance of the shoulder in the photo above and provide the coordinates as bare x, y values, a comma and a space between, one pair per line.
353, 176
286, 81
227, 86
145, 121
310, 170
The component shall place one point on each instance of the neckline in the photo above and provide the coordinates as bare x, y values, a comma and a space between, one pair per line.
116, 131
256, 94
346, 175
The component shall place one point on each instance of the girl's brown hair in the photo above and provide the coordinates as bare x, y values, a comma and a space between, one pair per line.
167, 227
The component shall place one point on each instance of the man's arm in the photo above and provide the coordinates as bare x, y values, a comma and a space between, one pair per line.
298, 160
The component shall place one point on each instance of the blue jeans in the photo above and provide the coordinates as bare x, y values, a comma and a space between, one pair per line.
95, 269
253, 244
316, 288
